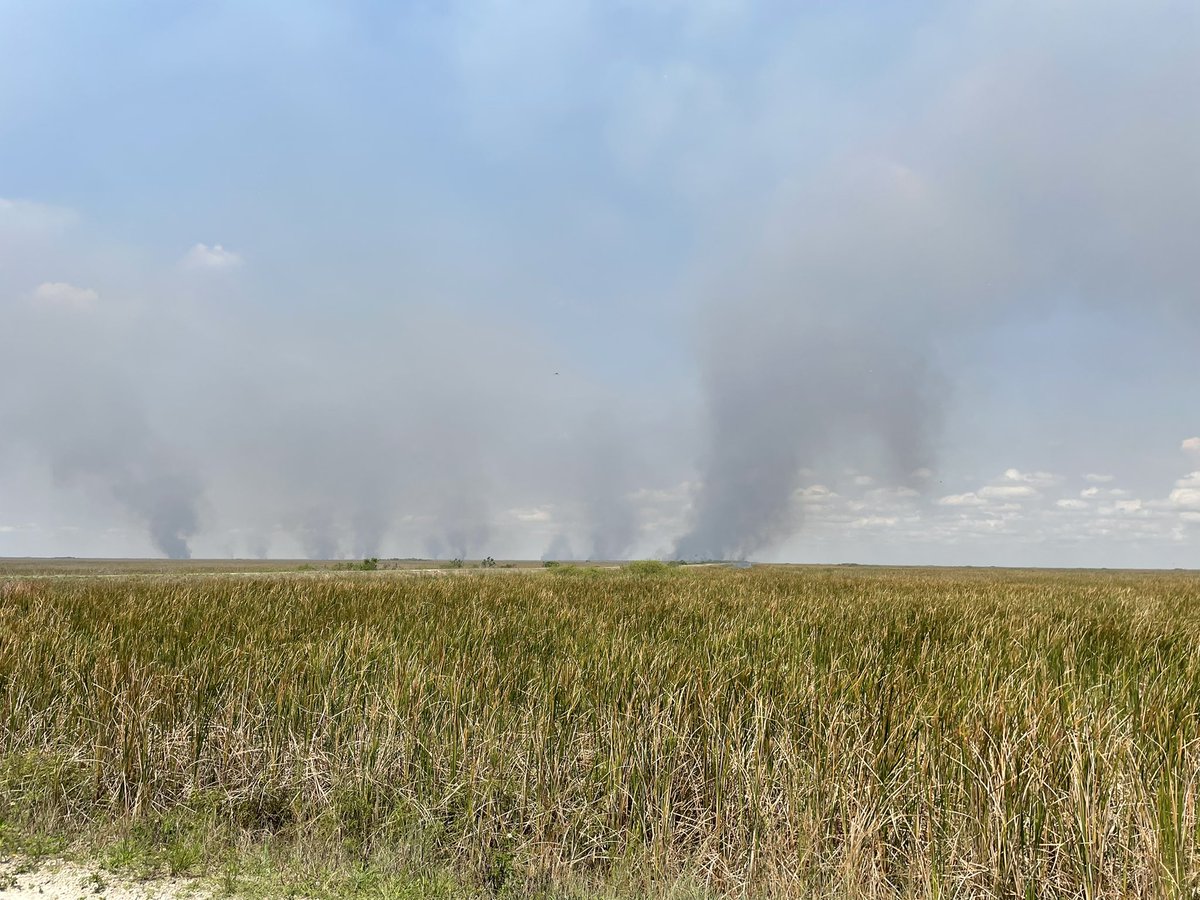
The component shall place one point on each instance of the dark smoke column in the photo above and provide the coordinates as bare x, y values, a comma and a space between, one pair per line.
787, 389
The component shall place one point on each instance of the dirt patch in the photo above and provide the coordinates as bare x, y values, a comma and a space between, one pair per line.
46, 880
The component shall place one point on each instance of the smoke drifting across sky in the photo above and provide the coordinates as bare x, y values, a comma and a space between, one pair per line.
709, 280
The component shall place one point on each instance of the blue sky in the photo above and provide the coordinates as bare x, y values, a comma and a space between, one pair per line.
910, 283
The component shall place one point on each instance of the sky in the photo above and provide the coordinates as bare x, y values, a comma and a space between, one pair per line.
909, 283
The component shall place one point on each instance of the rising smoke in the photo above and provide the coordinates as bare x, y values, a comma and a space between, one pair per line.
97, 441
838, 244
829, 329
834, 392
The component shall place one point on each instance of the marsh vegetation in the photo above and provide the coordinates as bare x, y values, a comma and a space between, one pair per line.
847, 732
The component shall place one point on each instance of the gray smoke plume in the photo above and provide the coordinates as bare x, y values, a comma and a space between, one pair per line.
166, 500
317, 533
765, 268
258, 545
559, 549
368, 526
860, 276
785, 396
605, 474
98, 440
464, 534
67, 400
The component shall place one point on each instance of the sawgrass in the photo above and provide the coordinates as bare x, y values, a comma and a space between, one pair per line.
770, 732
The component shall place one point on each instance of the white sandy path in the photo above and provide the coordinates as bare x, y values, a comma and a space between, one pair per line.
55, 880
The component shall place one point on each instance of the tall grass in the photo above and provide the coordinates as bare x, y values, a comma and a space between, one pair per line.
838, 732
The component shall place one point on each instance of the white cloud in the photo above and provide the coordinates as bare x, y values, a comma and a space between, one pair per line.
1037, 479
1191, 445
863, 480
1098, 479
1128, 506
1112, 493
892, 494
1187, 492
59, 293
24, 216
1007, 492
202, 256
874, 522
816, 492
534, 514
678, 494
968, 499
1071, 504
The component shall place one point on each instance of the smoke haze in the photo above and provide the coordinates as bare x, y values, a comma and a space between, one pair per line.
769, 282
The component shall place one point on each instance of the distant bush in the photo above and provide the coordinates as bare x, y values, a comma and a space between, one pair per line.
647, 567
455, 563
370, 564
487, 563
550, 564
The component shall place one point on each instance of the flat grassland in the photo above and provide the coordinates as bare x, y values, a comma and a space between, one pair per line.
656, 731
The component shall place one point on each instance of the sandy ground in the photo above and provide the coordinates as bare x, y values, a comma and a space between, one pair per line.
54, 880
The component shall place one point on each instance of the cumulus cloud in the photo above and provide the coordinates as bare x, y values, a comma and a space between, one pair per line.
968, 499
874, 522
1036, 479
1098, 479
538, 514
1092, 492
1007, 492
1071, 504
1187, 492
816, 491
202, 256
61, 294
1191, 445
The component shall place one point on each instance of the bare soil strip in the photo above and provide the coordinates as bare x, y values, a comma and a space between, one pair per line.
22, 879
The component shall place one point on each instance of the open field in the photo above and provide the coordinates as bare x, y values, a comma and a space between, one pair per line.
69, 565
825, 732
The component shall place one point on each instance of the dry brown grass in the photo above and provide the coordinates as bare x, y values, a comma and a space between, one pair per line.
804, 732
